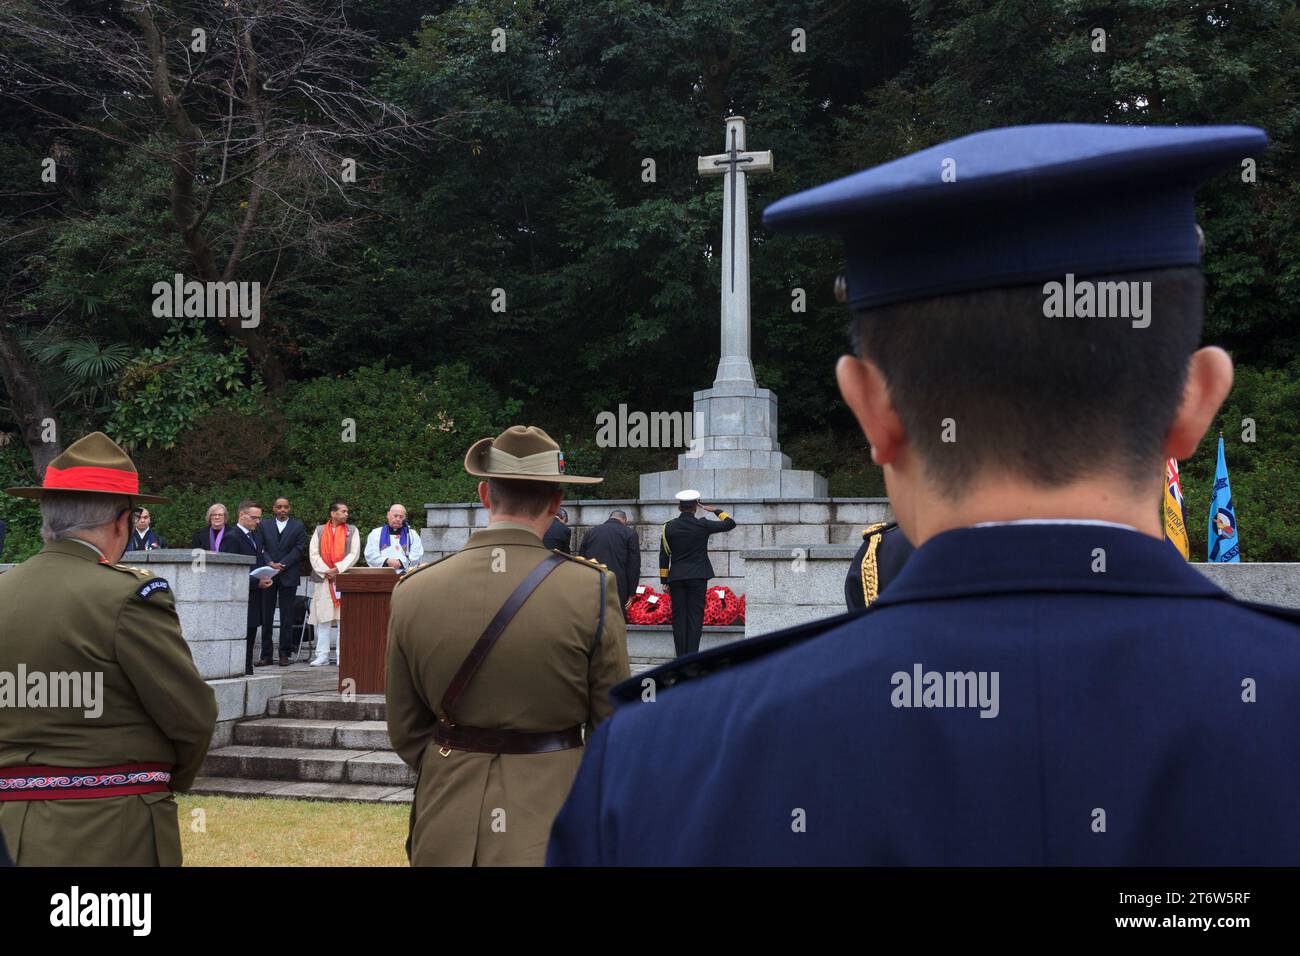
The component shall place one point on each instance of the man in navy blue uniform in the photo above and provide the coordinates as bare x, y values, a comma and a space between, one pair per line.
1046, 682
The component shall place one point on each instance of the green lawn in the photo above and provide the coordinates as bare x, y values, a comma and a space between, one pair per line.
261, 832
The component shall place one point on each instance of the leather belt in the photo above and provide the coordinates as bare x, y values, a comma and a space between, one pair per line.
62, 783
485, 740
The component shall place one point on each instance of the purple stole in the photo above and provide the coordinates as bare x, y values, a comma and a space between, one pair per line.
386, 538
214, 538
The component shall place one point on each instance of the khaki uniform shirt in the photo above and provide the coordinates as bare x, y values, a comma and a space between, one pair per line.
551, 669
64, 610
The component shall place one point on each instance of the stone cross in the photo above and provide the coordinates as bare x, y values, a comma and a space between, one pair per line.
733, 166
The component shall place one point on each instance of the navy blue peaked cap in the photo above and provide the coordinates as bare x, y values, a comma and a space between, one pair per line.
1024, 204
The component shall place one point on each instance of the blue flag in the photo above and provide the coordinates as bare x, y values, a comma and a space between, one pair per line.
1222, 544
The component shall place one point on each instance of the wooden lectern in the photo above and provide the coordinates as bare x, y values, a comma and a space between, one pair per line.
363, 629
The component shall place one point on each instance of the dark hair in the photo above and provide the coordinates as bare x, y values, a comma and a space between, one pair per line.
335, 505
246, 504
1051, 399
531, 498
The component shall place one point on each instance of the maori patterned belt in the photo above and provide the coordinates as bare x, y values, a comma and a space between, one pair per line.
60, 783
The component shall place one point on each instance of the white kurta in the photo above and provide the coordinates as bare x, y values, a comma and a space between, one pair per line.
376, 556
323, 610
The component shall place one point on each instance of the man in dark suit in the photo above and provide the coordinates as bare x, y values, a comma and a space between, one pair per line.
616, 546
1047, 681
244, 538
558, 537
285, 540
884, 551
685, 567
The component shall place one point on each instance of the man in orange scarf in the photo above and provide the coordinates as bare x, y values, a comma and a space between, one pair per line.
335, 547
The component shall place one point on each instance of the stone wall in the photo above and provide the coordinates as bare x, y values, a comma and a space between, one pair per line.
782, 593
761, 523
212, 604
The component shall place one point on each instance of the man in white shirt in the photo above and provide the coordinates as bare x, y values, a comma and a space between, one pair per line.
394, 544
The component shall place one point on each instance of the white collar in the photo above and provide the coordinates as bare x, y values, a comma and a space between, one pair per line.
1088, 521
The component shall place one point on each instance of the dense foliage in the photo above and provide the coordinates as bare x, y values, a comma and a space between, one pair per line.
533, 184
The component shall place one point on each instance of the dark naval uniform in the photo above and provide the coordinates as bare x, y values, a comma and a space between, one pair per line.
1119, 703
64, 610
1025, 692
685, 567
878, 561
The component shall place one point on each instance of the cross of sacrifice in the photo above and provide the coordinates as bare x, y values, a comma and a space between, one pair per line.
733, 166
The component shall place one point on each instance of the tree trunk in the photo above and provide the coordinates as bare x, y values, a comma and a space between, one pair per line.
184, 214
27, 397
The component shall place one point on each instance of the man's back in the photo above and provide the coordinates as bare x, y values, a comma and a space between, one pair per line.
615, 545
550, 671
687, 538
63, 612
559, 536
1142, 717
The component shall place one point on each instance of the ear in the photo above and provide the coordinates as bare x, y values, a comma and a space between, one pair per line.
483, 495
557, 499
1209, 379
864, 390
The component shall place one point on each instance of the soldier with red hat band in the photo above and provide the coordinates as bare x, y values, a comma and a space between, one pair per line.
89, 781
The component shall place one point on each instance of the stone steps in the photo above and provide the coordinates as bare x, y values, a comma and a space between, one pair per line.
303, 790
317, 745
300, 733
318, 764
328, 705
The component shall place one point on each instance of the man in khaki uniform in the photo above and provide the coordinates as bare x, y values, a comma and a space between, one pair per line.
496, 736
91, 784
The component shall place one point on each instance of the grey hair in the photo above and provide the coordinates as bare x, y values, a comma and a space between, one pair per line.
563, 513
63, 512
207, 518
619, 513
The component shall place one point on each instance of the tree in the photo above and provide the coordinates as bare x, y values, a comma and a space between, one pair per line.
257, 107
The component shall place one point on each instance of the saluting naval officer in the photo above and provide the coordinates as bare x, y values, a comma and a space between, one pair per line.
500, 658
884, 550
1046, 681
685, 567
89, 782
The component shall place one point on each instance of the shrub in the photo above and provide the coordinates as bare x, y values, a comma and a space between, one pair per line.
167, 388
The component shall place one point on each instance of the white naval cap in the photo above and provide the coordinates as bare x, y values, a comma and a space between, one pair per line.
690, 494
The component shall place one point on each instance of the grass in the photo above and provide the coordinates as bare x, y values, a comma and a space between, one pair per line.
240, 831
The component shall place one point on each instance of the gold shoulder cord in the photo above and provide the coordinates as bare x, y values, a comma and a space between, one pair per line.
870, 584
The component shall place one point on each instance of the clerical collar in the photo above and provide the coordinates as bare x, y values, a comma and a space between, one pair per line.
1089, 521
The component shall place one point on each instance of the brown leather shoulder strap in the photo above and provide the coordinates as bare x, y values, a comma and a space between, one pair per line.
483, 645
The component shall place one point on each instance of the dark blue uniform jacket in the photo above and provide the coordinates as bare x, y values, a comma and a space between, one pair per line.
1143, 716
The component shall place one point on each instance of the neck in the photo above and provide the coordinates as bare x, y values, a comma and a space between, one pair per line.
927, 512
103, 541
539, 526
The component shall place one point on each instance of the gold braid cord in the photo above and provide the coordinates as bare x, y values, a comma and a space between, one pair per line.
870, 583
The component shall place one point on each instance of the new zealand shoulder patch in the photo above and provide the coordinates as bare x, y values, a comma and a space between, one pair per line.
149, 587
